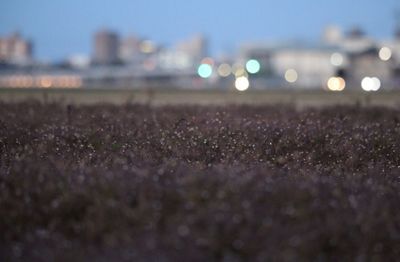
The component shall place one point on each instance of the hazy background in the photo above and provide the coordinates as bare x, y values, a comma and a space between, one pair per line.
59, 28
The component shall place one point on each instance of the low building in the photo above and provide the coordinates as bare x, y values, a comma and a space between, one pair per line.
289, 65
15, 50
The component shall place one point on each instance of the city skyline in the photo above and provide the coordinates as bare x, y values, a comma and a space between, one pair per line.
60, 29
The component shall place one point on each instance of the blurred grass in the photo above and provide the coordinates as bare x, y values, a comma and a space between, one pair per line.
297, 98
199, 183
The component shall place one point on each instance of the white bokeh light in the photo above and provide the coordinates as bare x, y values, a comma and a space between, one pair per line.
336, 59
370, 84
242, 83
291, 75
385, 53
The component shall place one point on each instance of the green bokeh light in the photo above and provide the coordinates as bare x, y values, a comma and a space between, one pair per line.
204, 70
253, 66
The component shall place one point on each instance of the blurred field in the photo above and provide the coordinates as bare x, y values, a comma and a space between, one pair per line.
302, 98
199, 183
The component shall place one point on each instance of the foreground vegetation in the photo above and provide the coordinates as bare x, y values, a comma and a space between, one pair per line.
190, 183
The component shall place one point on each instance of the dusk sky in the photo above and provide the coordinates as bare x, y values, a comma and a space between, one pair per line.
60, 28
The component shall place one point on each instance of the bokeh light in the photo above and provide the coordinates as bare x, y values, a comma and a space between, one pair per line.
336, 59
291, 75
46, 82
238, 70
147, 47
242, 83
241, 72
376, 83
253, 66
204, 70
336, 84
370, 84
208, 61
224, 70
385, 53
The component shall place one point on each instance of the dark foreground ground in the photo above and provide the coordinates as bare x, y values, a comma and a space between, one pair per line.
190, 183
